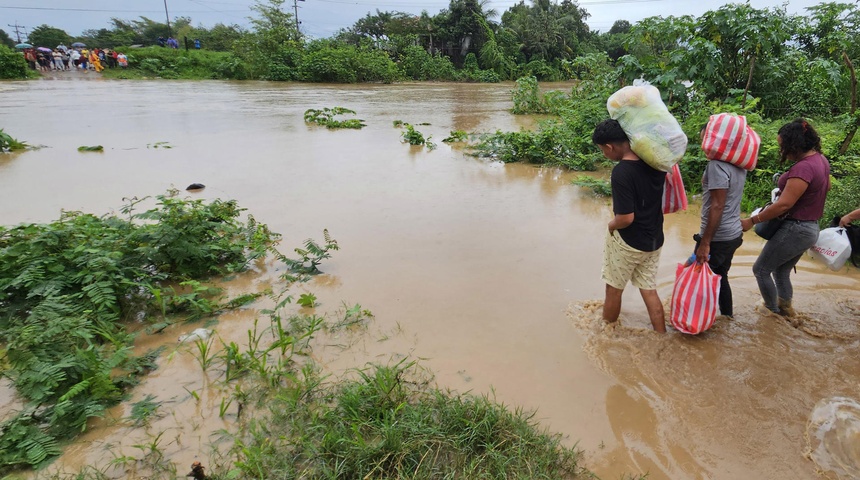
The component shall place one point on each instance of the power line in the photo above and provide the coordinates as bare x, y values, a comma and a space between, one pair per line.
55, 9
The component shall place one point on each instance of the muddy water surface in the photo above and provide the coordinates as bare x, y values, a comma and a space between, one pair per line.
487, 272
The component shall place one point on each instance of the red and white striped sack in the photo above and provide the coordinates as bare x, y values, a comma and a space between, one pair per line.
727, 137
674, 195
695, 298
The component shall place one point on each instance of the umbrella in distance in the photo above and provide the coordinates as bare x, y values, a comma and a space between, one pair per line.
78, 45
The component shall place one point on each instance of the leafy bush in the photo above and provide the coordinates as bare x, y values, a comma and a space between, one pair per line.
12, 64
527, 96
552, 143
480, 76
542, 70
332, 62
170, 63
844, 197
67, 286
416, 63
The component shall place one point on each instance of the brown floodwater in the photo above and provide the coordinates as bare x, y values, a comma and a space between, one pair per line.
487, 273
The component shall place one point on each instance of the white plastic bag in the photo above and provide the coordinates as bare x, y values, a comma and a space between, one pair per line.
655, 135
833, 247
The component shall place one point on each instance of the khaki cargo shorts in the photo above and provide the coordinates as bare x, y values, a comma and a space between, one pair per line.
623, 263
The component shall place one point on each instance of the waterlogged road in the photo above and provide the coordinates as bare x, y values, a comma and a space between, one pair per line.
487, 272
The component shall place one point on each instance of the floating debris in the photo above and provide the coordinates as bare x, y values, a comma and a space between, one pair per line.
198, 334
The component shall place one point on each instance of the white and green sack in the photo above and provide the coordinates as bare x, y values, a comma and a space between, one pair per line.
655, 135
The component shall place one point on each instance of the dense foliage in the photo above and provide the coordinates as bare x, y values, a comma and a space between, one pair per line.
69, 291
6, 40
49, 37
12, 64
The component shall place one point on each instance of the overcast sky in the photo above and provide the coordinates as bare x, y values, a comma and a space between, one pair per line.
320, 18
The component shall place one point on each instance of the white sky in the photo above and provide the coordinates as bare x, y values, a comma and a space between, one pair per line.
320, 18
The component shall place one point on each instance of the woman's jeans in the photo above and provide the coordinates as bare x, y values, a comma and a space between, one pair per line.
779, 255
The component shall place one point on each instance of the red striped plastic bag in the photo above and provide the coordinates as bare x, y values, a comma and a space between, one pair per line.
727, 137
674, 195
694, 298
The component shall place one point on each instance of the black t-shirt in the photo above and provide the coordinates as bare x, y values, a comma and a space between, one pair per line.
638, 189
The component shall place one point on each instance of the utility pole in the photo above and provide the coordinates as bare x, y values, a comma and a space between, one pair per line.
16, 27
167, 15
296, 9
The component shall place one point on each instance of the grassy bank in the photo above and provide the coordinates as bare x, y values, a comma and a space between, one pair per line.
167, 63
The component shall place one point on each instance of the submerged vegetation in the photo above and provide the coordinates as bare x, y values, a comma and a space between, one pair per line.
413, 137
456, 136
93, 148
71, 289
9, 144
599, 186
326, 117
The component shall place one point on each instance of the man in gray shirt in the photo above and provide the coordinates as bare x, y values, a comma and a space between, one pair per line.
721, 233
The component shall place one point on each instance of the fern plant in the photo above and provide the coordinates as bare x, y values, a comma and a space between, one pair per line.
311, 255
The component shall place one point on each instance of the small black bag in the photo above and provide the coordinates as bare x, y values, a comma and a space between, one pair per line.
853, 234
768, 229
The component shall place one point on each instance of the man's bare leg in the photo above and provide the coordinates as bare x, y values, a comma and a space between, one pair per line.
612, 304
655, 309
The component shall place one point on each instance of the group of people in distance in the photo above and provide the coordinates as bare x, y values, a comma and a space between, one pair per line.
635, 237
65, 59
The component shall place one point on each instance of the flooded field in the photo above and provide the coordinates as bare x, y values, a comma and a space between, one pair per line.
488, 273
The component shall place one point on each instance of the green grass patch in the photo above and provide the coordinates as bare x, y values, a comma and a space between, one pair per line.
389, 423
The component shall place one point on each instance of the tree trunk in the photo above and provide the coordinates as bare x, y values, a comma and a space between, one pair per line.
749, 82
849, 136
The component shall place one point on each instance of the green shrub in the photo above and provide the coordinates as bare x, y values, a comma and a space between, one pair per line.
171, 63
12, 64
67, 288
341, 63
417, 64
844, 197
542, 70
527, 96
